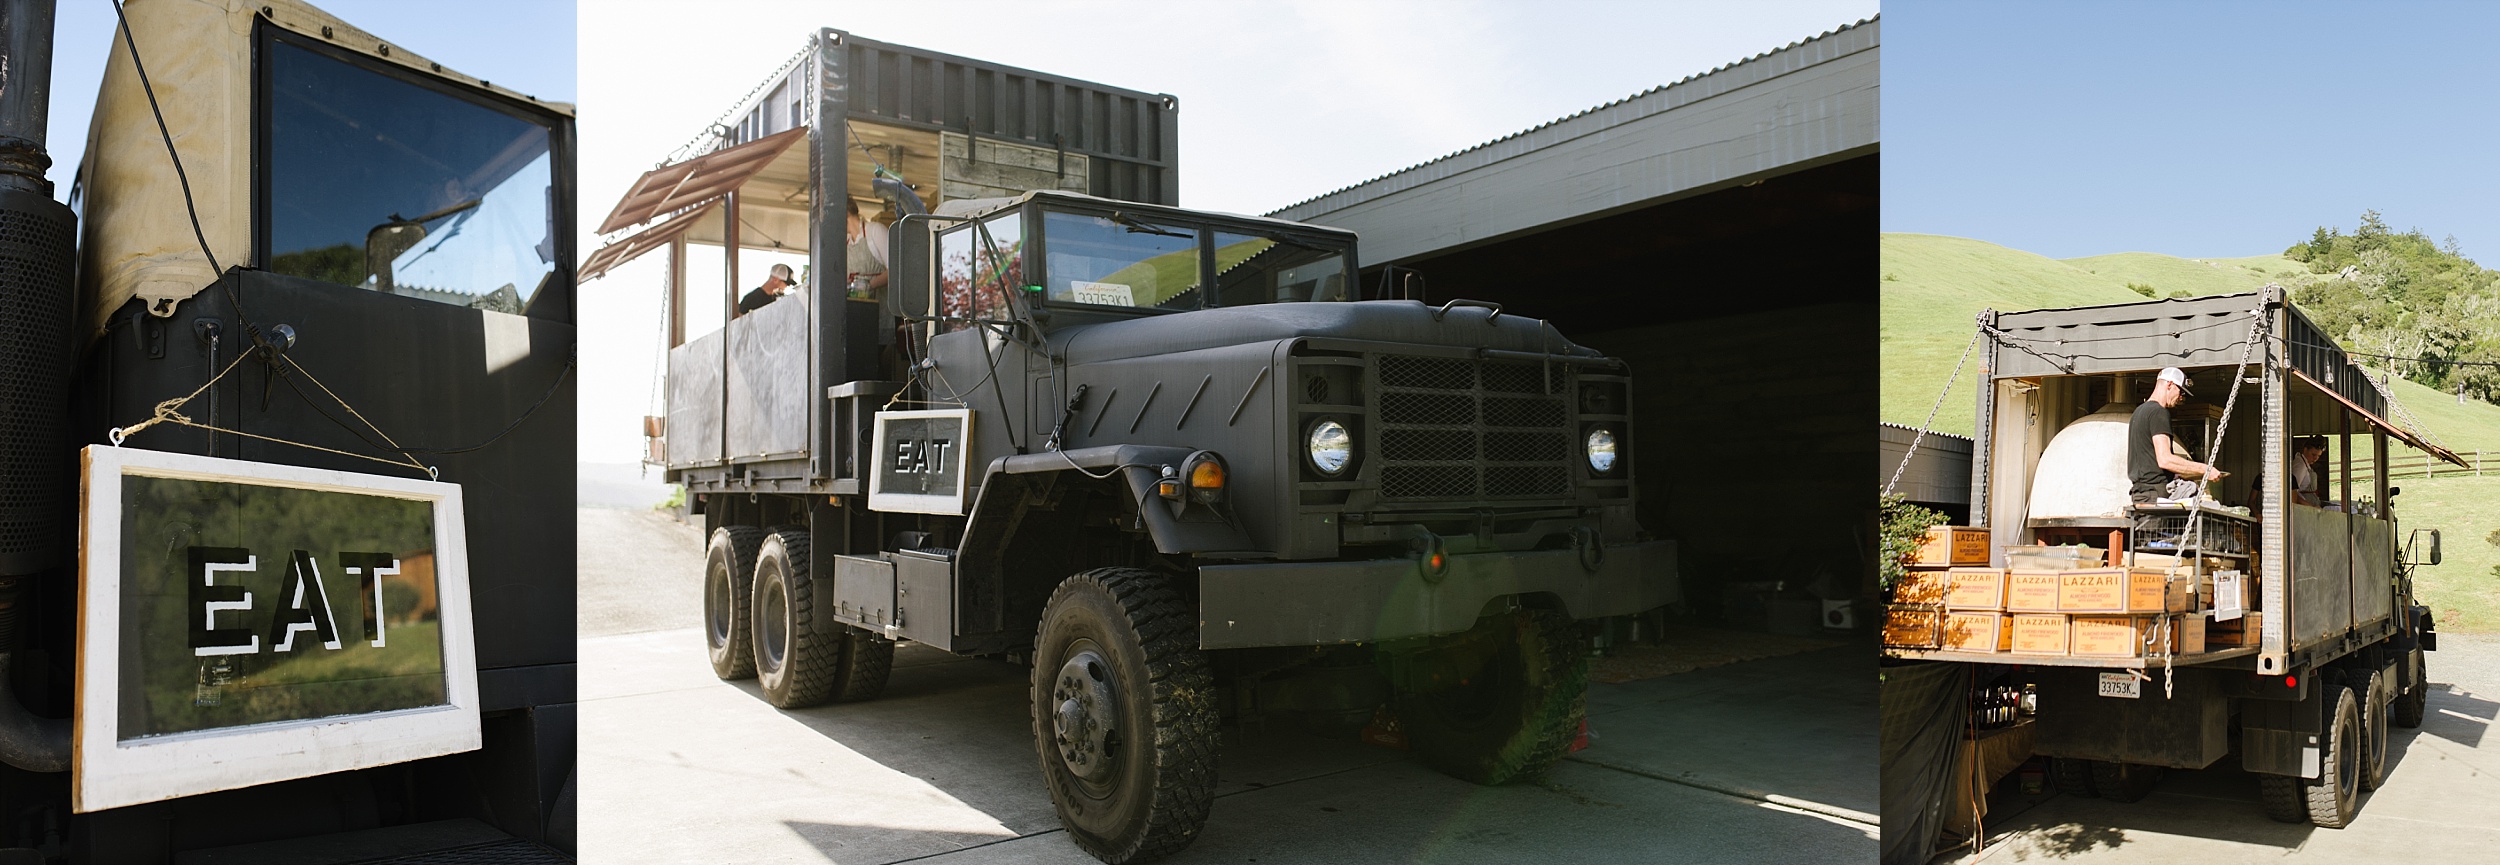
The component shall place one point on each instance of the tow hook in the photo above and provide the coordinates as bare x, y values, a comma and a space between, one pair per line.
1591, 545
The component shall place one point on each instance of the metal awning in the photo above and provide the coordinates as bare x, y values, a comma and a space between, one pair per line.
671, 188
626, 249
2400, 433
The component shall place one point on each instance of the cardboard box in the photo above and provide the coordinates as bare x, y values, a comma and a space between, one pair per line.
2179, 594
2039, 633
2109, 636
1976, 589
1922, 585
2031, 591
1954, 545
2113, 590
2044, 558
2236, 633
1913, 627
1978, 631
2187, 633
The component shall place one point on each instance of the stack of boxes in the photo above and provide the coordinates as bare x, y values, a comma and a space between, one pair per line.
1951, 600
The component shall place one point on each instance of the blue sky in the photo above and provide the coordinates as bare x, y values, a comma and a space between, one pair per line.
529, 48
2200, 130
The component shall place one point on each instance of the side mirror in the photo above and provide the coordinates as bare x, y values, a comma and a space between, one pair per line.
2414, 551
2393, 491
910, 268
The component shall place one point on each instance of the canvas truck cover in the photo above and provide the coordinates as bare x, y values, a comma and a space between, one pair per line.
136, 234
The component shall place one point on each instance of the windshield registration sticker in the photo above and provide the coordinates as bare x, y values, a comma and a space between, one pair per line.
1101, 293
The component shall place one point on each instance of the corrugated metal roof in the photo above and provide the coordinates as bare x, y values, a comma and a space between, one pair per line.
1838, 42
1935, 438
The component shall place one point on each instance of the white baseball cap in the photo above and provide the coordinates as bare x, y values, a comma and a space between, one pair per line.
2176, 376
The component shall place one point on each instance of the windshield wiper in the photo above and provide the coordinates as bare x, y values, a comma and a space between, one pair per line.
1136, 226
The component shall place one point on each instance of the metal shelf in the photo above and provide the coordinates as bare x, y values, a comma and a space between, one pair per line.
2135, 663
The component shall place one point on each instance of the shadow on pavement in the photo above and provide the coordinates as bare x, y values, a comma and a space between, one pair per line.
962, 725
2220, 803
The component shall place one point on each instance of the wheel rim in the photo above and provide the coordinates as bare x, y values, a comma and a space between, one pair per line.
716, 604
1085, 727
1478, 700
773, 629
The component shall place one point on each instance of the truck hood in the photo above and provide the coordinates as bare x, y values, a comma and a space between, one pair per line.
1397, 321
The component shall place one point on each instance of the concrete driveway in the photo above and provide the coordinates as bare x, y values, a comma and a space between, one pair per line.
2440, 803
1768, 761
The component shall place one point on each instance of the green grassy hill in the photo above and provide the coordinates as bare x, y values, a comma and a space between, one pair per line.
1932, 286
2198, 276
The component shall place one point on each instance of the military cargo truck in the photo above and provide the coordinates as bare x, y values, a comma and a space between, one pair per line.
2248, 618
1159, 455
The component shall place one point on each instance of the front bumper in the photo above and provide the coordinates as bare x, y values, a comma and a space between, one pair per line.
1323, 603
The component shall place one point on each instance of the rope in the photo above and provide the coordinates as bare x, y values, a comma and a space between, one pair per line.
168, 412
1930, 423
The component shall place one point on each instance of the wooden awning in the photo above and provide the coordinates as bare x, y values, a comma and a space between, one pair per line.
626, 249
2400, 433
671, 188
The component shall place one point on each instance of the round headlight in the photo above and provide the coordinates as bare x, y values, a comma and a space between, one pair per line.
1601, 446
1331, 447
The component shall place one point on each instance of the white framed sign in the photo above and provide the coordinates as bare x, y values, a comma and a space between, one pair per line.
242, 623
920, 458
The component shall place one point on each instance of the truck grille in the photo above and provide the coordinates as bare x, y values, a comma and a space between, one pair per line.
1454, 428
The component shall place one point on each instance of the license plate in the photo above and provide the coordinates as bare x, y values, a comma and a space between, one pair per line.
2121, 685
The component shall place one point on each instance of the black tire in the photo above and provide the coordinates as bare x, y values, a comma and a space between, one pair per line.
2284, 798
1515, 713
796, 666
1116, 666
2336, 793
728, 600
866, 661
2407, 710
2074, 777
2124, 782
2373, 731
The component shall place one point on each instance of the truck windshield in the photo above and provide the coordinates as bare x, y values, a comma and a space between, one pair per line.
1120, 261
1253, 269
383, 184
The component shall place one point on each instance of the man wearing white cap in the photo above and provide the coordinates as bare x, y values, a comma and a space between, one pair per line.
2153, 471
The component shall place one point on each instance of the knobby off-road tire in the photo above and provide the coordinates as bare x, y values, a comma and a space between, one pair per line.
728, 600
1514, 716
2284, 798
1124, 715
2073, 777
2124, 782
2407, 710
2374, 708
796, 666
867, 659
2336, 793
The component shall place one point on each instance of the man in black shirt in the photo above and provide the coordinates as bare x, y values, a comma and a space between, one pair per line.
2152, 470
765, 294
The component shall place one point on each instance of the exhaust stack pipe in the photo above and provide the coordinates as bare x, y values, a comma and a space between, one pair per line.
38, 250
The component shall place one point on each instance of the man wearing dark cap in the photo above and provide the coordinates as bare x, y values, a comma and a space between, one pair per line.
2153, 471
